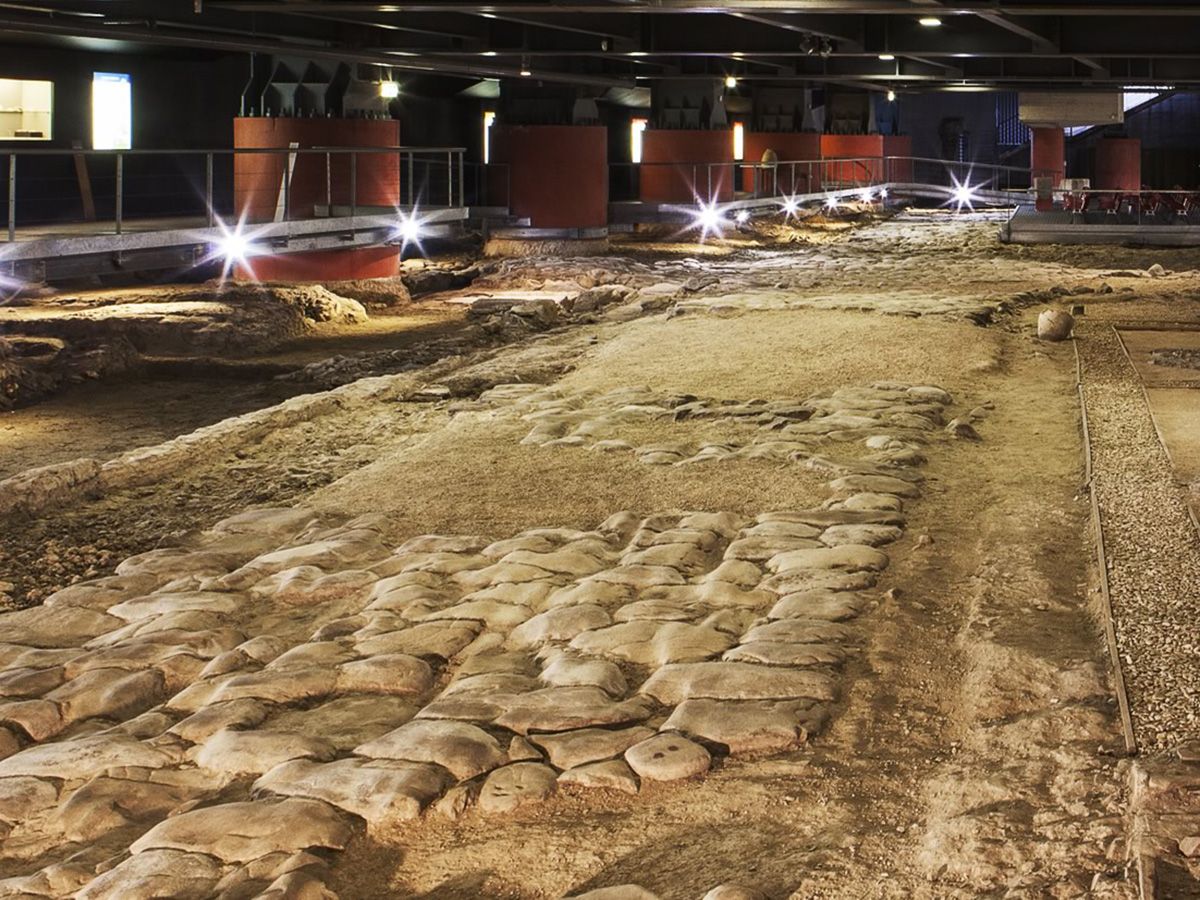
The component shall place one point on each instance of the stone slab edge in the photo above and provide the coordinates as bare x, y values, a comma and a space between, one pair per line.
45, 488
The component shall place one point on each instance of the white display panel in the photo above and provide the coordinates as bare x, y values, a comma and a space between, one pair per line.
112, 111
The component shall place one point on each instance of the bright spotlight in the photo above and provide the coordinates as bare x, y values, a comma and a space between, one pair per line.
730, 82
891, 95
963, 194
832, 204
708, 219
234, 246
930, 21
790, 207
389, 90
866, 195
742, 217
409, 230
887, 57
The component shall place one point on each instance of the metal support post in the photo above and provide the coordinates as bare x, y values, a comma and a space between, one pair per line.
208, 189
353, 184
120, 199
287, 185
12, 197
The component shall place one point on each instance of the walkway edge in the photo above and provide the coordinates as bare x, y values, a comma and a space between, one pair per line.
1110, 628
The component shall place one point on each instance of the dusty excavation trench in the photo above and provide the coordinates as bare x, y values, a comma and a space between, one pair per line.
753, 564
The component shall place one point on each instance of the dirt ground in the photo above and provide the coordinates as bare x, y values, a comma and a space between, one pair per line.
976, 749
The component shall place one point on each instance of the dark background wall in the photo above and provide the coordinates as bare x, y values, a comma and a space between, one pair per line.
179, 101
1169, 130
924, 118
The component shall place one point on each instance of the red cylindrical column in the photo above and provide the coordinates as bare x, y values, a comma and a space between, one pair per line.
686, 165
258, 177
1118, 164
315, 180
1048, 158
557, 174
855, 158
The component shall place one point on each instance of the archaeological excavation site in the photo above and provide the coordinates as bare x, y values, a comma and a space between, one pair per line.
608, 449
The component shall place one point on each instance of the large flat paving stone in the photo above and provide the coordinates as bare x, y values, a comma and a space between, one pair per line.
157, 874
673, 684
240, 832
570, 749
749, 726
464, 749
380, 791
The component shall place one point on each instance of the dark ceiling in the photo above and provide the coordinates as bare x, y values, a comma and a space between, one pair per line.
876, 44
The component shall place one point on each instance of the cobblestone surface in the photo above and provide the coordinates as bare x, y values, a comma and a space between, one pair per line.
233, 711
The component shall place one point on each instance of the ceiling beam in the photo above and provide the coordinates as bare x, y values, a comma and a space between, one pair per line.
807, 26
411, 61
815, 7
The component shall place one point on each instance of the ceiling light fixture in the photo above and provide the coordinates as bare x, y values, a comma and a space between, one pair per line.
930, 21
730, 82
891, 96
887, 57
389, 90
525, 71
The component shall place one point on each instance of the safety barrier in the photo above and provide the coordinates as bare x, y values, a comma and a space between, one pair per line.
107, 191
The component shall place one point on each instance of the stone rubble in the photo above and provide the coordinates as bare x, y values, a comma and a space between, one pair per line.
163, 708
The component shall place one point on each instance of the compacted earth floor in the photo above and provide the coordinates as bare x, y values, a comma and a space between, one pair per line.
773, 572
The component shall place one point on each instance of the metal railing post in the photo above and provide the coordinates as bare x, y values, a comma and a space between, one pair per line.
410, 178
12, 197
208, 189
328, 184
462, 180
120, 198
449, 179
287, 184
353, 183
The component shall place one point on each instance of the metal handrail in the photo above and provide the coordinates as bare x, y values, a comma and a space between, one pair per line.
429, 159
219, 151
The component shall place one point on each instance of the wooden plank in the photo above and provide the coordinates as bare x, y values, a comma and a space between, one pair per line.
85, 183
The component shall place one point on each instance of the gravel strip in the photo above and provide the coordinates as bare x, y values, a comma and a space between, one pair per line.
1153, 550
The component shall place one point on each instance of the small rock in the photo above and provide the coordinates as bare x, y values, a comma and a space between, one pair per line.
614, 774
668, 757
618, 892
1055, 325
962, 428
1190, 846
734, 892
516, 785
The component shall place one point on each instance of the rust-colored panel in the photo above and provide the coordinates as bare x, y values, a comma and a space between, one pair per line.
557, 175
685, 165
